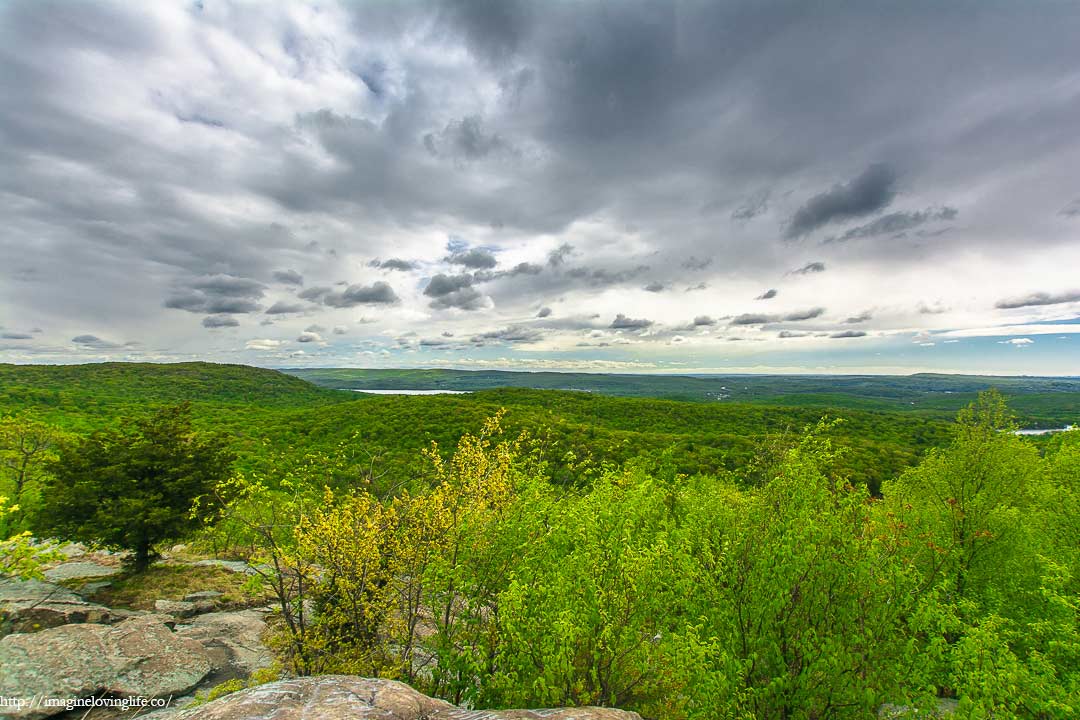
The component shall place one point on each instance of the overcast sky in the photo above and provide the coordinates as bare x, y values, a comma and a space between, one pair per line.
623, 186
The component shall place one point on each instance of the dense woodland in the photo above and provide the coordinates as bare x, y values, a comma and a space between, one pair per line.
1040, 401
523, 547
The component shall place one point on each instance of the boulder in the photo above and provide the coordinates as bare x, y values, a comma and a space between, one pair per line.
72, 549
202, 595
233, 641
182, 608
79, 571
139, 657
92, 588
31, 605
236, 566
344, 697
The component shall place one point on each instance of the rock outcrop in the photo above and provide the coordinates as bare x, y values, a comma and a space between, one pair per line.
139, 657
30, 605
343, 697
233, 641
80, 571
183, 608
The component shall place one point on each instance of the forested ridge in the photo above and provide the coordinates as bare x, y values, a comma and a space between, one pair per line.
1039, 401
264, 411
522, 547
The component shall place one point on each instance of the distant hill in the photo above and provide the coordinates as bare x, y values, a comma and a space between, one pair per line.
157, 383
1040, 401
266, 412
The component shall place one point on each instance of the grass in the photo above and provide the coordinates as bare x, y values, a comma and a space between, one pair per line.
173, 582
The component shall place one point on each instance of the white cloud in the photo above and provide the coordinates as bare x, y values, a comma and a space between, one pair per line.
263, 344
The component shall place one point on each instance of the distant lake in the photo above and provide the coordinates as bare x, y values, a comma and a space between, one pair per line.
414, 392
1043, 432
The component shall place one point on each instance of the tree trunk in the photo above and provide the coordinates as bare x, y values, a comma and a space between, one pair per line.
142, 556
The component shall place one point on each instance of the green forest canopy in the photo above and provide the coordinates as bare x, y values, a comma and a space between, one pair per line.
688, 560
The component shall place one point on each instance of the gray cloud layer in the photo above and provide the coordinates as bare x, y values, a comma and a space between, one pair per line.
169, 168
1039, 298
871, 191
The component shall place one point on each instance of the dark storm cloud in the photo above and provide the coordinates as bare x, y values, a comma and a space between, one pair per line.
1039, 298
394, 264
379, 293
655, 287
218, 294
464, 299
703, 321
897, 222
606, 124
622, 322
767, 295
220, 321
752, 207
282, 308
314, 293
526, 269
762, 318
848, 334
476, 259
602, 276
442, 284
229, 286
16, 336
511, 335
860, 318
466, 139
693, 263
201, 304
809, 268
868, 193
289, 277
454, 291
543, 312
804, 314
557, 257
93, 342
754, 319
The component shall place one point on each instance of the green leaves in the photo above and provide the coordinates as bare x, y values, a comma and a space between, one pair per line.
778, 589
134, 487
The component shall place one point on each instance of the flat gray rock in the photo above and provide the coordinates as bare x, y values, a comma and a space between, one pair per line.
202, 595
32, 605
233, 640
138, 657
345, 697
79, 571
183, 609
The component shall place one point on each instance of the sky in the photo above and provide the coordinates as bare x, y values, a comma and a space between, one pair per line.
655, 187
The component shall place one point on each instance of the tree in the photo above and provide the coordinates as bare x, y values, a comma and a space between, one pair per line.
134, 487
974, 503
27, 445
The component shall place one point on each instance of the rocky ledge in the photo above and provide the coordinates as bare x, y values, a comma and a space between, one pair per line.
56, 645
345, 697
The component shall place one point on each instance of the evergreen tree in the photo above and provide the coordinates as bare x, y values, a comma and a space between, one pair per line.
134, 487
